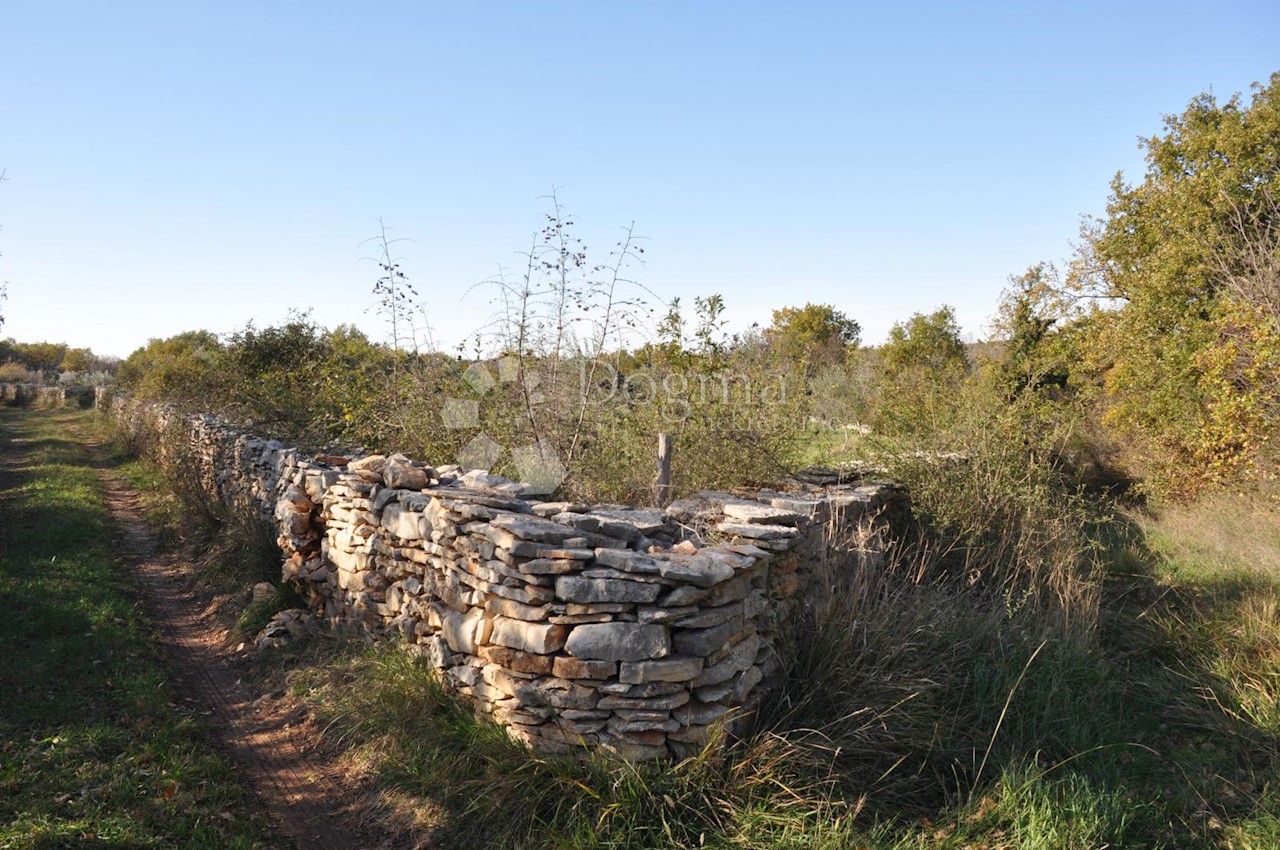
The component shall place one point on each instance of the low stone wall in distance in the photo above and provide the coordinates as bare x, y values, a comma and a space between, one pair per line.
35, 395
598, 626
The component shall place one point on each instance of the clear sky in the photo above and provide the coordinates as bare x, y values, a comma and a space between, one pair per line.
184, 165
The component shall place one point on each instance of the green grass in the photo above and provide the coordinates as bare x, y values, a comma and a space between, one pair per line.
470, 786
822, 445
229, 552
94, 749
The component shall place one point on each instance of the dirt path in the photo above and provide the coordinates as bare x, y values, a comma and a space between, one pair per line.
305, 793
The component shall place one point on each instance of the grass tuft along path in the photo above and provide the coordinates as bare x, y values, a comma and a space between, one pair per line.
94, 749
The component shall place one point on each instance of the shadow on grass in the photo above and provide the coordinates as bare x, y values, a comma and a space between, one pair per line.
1170, 648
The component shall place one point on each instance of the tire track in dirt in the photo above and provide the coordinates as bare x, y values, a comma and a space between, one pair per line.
301, 791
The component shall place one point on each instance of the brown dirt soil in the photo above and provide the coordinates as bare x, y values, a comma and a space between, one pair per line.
314, 801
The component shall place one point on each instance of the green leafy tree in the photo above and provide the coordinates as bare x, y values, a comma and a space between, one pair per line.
77, 360
923, 364
184, 369
277, 370
928, 344
44, 357
815, 334
1180, 354
1034, 355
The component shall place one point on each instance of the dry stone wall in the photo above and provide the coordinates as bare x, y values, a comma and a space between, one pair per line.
35, 395
597, 626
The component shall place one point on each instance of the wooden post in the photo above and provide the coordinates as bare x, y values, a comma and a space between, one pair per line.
662, 487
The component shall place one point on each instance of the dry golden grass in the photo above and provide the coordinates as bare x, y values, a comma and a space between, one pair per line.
1224, 531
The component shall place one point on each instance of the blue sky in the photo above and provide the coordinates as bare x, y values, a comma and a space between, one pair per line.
185, 165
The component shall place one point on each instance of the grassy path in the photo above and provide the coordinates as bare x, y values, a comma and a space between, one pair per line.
94, 748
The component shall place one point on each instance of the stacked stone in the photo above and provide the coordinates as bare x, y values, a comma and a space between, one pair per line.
32, 394
575, 626
284, 627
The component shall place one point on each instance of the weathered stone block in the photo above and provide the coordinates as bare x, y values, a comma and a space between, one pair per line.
538, 638
527, 593
296, 524
740, 657
745, 682
517, 610
672, 669
596, 571
699, 714
683, 596
549, 566
627, 560
631, 714
761, 514
558, 693
372, 463
703, 642
811, 509
644, 691
504, 680
619, 641
579, 589
438, 652
516, 660
570, 551
734, 590
548, 509
618, 725
757, 532
566, 667
575, 608
581, 727
691, 735
632, 751
399, 473
716, 693
643, 520
526, 527
403, 524
465, 632
648, 704
579, 619
658, 614
711, 617
698, 570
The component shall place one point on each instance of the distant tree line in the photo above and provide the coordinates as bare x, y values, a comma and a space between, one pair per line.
53, 363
